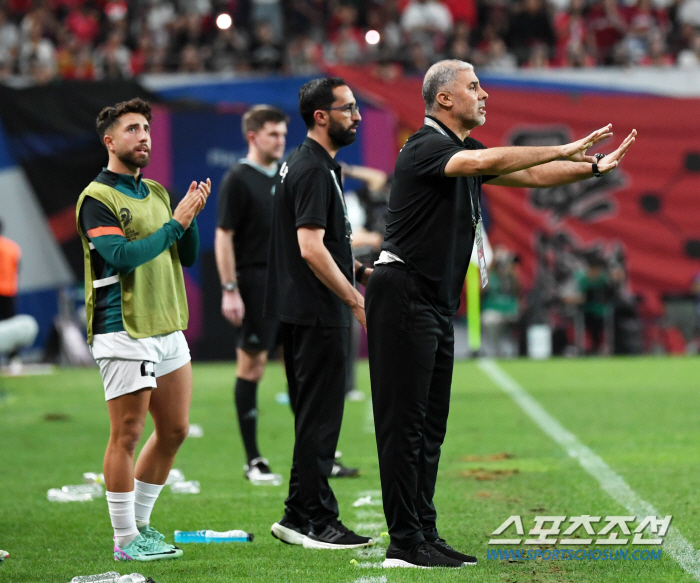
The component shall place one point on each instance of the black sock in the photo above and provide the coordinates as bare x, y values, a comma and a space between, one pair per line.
245, 396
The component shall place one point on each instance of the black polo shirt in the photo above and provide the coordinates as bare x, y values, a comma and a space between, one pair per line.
244, 206
429, 224
308, 192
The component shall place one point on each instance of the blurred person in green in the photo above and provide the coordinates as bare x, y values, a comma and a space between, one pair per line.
596, 291
501, 304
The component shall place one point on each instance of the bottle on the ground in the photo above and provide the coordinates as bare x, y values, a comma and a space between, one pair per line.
58, 495
95, 490
111, 577
189, 487
212, 536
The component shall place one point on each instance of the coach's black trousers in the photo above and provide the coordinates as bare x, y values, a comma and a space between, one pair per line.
411, 356
314, 359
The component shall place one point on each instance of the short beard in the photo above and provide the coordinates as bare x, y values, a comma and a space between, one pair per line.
339, 136
128, 159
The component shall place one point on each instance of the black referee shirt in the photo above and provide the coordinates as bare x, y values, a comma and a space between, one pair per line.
245, 207
429, 224
308, 192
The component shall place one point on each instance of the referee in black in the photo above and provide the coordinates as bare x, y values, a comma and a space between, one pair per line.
310, 289
244, 216
434, 219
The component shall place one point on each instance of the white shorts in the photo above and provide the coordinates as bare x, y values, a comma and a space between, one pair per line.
130, 364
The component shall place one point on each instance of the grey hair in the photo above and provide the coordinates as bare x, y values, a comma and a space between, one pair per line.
439, 77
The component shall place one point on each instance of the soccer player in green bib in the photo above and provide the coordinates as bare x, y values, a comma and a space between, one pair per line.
134, 248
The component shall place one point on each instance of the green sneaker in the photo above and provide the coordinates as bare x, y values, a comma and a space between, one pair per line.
143, 549
150, 533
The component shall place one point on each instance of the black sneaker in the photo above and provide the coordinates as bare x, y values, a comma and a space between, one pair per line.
288, 532
442, 547
340, 471
335, 535
421, 556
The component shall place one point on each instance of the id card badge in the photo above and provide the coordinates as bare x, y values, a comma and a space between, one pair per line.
480, 256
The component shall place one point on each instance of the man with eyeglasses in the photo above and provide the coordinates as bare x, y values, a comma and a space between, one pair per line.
310, 290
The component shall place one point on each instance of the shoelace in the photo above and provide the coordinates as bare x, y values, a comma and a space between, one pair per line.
152, 533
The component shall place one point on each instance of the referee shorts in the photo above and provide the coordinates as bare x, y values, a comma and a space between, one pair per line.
257, 332
130, 364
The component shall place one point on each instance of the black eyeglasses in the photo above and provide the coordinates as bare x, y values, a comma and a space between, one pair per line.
351, 108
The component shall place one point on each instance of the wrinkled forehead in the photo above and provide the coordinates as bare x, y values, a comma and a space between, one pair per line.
467, 77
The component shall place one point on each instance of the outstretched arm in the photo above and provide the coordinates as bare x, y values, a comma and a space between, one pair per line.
511, 159
560, 172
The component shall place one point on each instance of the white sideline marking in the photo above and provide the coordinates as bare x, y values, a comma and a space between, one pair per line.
381, 579
675, 543
375, 551
370, 526
368, 515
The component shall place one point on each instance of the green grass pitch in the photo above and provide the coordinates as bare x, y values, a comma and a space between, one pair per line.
642, 416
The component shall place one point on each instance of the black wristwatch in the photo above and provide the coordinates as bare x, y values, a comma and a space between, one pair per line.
360, 272
230, 286
596, 172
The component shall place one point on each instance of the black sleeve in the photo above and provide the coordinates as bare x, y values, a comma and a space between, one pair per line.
473, 144
312, 190
94, 213
231, 202
432, 154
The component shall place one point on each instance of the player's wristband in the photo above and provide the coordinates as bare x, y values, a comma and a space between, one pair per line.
359, 274
596, 172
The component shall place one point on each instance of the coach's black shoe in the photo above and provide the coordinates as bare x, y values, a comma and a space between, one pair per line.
420, 556
335, 535
442, 547
288, 532
340, 471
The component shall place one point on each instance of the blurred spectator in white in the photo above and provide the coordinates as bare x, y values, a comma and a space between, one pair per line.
9, 36
160, 18
427, 15
37, 55
690, 58
200, 7
689, 12
113, 58
269, 11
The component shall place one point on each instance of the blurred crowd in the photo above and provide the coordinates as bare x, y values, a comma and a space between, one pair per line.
43, 40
